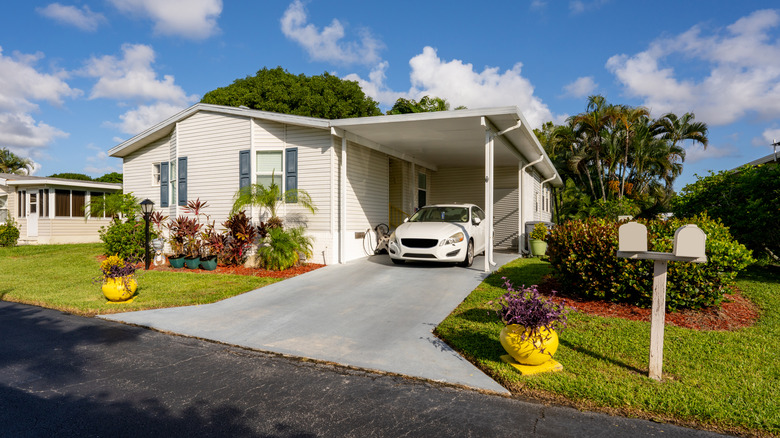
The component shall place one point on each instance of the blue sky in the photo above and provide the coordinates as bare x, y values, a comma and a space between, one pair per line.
78, 77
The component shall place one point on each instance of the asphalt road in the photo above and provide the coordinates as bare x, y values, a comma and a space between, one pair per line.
63, 376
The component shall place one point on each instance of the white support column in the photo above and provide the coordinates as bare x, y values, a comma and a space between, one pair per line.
343, 202
488, 204
657, 319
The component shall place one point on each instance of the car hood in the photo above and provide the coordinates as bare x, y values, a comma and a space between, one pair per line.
428, 230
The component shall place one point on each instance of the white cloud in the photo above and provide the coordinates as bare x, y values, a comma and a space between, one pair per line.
145, 116
83, 18
132, 77
743, 78
194, 19
579, 6
328, 44
460, 84
581, 87
22, 131
769, 136
696, 152
100, 162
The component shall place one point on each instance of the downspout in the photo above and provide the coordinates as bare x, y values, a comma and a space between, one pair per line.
522, 203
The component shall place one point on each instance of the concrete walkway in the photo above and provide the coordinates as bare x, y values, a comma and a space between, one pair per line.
366, 313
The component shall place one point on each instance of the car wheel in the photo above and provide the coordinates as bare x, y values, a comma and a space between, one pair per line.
398, 261
469, 259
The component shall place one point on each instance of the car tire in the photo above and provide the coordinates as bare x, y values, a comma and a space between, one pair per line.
469, 259
398, 261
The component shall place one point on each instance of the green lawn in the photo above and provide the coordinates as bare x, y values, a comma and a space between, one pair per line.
728, 381
60, 277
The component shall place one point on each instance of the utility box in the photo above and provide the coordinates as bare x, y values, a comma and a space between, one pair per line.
632, 237
689, 241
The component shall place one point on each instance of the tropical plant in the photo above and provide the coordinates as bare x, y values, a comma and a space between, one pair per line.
527, 308
285, 248
158, 221
177, 235
125, 238
12, 163
270, 199
240, 235
9, 232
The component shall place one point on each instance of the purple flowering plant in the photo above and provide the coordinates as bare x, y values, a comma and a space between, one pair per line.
527, 308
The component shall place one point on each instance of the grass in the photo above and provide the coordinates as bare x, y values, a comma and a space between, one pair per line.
60, 277
727, 381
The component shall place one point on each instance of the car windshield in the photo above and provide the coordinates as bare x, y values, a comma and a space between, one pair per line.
441, 214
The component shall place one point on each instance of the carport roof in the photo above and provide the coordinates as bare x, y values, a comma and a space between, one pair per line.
438, 139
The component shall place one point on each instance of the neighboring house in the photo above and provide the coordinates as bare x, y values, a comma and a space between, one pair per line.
51, 210
360, 172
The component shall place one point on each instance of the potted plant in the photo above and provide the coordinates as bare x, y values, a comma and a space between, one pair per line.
176, 240
118, 279
212, 247
190, 228
530, 334
537, 240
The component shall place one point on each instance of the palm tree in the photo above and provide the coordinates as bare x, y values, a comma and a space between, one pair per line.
628, 117
591, 124
270, 198
12, 163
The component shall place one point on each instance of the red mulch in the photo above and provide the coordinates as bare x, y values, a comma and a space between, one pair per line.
237, 270
735, 312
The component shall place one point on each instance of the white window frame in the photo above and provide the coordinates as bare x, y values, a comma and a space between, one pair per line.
280, 175
156, 175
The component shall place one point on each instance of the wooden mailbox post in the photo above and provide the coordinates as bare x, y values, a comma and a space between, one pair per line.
689, 242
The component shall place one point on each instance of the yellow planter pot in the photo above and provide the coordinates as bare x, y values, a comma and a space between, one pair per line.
526, 352
114, 289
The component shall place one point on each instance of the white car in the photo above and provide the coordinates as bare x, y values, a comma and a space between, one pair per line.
440, 233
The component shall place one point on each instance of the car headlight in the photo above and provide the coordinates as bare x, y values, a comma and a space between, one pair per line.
455, 238
392, 237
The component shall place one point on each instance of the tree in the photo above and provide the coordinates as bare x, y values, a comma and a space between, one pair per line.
113, 177
12, 163
426, 105
324, 96
78, 176
591, 125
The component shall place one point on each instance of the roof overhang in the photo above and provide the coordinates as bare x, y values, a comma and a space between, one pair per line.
453, 138
31, 181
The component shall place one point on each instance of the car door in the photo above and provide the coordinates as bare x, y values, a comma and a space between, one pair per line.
477, 231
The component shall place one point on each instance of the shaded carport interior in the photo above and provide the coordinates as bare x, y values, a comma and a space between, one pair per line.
458, 138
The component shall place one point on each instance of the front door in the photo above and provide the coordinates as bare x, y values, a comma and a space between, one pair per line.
32, 214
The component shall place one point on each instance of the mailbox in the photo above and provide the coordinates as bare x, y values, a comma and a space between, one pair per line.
632, 237
689, 241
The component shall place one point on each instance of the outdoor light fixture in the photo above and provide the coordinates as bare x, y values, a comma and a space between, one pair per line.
147, 207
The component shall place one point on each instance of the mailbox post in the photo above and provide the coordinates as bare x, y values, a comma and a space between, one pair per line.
689, 243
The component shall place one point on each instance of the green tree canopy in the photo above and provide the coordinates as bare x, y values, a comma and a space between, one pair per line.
426, 105
277, 90
12, 163
113, 177
66, 175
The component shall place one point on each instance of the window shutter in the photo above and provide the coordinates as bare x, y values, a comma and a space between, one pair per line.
164, 184
291, 173
244, 169
182, 180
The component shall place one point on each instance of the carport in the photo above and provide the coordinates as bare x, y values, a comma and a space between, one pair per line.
452, 139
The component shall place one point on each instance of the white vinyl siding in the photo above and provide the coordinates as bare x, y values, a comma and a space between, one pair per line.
138, 167
368, 177
211, 143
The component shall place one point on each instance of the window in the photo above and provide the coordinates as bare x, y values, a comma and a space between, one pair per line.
20, 198
3, 209
44, 202
477, 213
156, 174
269, 168
95, 197
33, 203
78, 201
422, 190
62, 203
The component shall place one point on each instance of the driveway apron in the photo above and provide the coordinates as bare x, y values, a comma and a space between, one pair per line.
366, 313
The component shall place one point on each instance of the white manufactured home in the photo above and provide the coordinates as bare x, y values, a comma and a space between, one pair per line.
51, 210
360, 172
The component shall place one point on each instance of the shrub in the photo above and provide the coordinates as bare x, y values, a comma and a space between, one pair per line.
125, 239
240, 234
583, 254
9, 233
284, 248
539, 232
747, 201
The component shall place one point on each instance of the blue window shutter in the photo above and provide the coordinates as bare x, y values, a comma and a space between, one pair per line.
244, 168
291, 173
164, 182
182, 180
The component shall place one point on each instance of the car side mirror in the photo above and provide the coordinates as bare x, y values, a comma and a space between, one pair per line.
476, 221
406, 219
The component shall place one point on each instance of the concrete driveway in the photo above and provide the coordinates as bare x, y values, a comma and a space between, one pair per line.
367, 313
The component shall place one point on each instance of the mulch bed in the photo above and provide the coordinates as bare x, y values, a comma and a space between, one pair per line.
241, 270
736, 311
